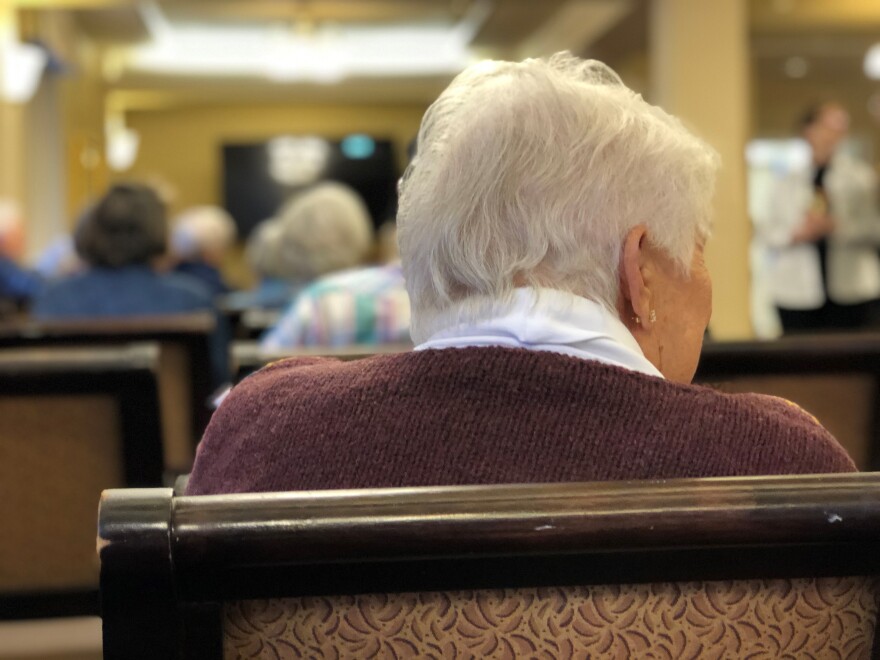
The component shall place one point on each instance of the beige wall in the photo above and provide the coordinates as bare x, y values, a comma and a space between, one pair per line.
780, 102
700, 72
181, 147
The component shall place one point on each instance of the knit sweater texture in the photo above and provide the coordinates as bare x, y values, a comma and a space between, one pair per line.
491, 416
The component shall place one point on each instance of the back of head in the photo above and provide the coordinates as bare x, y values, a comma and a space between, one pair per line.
531, 174
202, 233
325, 229
262, 250
126, 227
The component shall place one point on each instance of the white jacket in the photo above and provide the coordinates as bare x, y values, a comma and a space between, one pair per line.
794, 271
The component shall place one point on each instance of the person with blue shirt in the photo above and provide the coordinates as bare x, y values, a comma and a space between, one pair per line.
200, 239
18, 285
120, 238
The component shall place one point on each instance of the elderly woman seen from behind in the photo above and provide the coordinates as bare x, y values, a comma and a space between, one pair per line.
551, 229
324, 230
319, 231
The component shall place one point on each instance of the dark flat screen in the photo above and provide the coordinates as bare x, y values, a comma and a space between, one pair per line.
253, 193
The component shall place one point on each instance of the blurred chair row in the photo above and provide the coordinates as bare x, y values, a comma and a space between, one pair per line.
87, 407
83, 406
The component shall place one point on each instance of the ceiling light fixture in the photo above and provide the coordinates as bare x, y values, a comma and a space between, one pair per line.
871, 64
21, 67
322, 54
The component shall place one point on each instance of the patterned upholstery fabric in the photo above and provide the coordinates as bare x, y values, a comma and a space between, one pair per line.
803, 618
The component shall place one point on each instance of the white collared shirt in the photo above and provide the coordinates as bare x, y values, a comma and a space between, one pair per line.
555, 321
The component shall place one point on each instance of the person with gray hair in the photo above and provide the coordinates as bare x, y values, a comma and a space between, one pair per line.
328, 230
324, 229
200, 239
551, 227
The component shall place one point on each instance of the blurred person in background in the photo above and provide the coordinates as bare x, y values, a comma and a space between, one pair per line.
325, 230
18, 285
120, 238
273, 291
823, 227
200, 240
551, 229
59, 259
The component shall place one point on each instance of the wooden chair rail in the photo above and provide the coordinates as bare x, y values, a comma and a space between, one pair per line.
793, 355
496, 520
180, 555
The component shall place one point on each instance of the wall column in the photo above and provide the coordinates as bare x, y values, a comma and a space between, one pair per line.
700, 72
12, 125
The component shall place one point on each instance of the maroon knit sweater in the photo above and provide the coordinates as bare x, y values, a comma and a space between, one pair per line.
488, 416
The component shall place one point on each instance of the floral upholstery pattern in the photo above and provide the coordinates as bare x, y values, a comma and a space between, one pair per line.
800, 618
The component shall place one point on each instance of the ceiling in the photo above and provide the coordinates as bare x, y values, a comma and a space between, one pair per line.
827, 39
509, 21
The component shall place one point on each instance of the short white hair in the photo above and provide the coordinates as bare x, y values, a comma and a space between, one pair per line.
202, 230
324, 229
531, 174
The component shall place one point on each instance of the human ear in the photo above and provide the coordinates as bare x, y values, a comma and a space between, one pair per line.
634, 289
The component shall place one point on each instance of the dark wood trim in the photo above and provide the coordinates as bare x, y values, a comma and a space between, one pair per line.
49, 605
824, 353
138, 599
222, 538
201, 630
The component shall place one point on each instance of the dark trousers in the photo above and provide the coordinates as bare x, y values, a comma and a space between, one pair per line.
828, 318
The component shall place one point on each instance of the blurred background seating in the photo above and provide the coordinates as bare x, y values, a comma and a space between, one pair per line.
73, 421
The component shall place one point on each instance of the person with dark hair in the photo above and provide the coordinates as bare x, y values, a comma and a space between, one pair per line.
822, 226
119, 238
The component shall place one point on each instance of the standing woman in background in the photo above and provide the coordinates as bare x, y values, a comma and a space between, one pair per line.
823, 228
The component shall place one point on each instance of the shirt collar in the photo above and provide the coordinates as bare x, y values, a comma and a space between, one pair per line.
550, 320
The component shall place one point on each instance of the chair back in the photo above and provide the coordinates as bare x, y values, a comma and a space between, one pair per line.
184, 365
73, 422
834, 377
732, 567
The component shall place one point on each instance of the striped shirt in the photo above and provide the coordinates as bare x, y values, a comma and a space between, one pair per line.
360, 306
